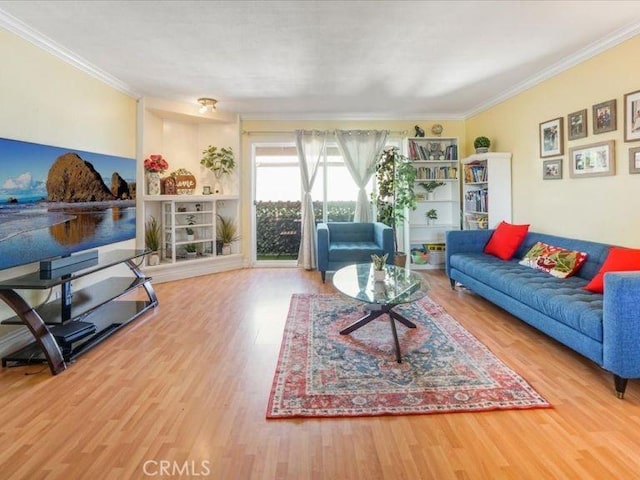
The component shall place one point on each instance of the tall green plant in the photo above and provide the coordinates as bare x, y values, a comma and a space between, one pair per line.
152, 234
395, 188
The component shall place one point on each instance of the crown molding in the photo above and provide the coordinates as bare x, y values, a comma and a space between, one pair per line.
358, 117
21, 29
580, 56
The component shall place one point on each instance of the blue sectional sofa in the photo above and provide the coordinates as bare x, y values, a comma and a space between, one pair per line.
344, 243
603, 327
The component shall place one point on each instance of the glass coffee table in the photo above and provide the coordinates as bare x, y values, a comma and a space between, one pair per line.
399, 286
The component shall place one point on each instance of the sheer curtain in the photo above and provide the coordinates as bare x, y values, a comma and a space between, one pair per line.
310, 146
360, 149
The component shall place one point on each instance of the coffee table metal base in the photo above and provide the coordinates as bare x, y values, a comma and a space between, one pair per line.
376, 311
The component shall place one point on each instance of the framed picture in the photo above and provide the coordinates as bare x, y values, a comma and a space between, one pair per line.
595, 160
634, 160
551, 138
552, 169
632, 116
604, 117
577, 124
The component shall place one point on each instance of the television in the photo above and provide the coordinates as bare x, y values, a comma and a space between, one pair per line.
57, 201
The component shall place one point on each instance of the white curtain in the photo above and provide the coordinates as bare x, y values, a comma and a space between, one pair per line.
310, 145
360, 150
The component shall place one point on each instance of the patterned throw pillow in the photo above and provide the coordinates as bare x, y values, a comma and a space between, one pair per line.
557, 261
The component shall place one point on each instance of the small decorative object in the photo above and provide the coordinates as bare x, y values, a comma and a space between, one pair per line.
227, 233
198, 207
154, 165
634, 160
632, 117
220, 162
595, 160
206, 190
604, 117
430, 187
185, 181
152, 240
419, 131
551, 138
169, 185
577, 124
434, 151
419, 257
431, 215
552, 169
483, 221
437, 129
379, 262
481, 144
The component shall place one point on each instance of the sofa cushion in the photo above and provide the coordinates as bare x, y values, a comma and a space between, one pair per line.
351, 232
557, 261
619, 260
564, 300
505, 240
354, 252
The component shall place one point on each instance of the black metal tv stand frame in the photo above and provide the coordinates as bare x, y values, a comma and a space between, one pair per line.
77, 321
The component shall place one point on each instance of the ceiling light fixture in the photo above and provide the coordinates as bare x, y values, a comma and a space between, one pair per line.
207, 104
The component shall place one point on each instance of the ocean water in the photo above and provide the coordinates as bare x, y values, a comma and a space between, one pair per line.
35, 230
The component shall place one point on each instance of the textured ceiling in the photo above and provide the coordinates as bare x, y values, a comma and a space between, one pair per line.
326, 58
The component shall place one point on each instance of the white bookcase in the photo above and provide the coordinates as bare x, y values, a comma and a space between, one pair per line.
436, 160
486, 192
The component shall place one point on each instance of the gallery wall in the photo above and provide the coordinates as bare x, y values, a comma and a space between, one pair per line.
602, 209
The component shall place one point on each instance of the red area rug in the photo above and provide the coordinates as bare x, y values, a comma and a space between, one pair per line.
321, 373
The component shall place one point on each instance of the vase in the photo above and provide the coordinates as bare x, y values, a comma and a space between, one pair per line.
153, 183
379, 275
154, 259
431, 196
226, 249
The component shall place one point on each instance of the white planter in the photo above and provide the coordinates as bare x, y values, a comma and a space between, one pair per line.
379, 275
154, 259
226, 249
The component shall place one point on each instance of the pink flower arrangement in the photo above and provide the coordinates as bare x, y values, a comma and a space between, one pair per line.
155, 163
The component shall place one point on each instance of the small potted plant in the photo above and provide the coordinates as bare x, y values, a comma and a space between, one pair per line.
431, 215
430, 187
191, 250
191, 220
481, 144
378, 261
152, 240
227, 233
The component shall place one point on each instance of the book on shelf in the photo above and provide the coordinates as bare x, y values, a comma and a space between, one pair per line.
475, 173
437, 173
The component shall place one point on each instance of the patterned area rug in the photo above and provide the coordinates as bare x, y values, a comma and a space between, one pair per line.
321, 373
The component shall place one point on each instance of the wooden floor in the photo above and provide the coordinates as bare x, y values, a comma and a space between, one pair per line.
183, 391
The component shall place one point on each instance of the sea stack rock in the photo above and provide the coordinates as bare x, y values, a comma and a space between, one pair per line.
119, 187
72, 179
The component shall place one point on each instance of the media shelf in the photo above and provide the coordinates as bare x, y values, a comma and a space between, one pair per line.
65, 328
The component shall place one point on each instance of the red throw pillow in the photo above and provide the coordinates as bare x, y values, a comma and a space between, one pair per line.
505, 240
618, 260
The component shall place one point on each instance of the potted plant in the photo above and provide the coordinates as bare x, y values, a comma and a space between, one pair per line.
395, 193
191, 220
152, 240
378, 261
431, 215
227, 233
219, 161
430, 187
481, 144
191, 250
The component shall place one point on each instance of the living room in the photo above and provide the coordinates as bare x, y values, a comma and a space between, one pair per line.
188, 383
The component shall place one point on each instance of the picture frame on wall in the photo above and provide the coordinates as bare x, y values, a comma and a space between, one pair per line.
604, 117
595, 160
632, 116
552, 169
577, 124
634, 160
551, 138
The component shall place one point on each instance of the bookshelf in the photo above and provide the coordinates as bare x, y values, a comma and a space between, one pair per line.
435, 160
486, 190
